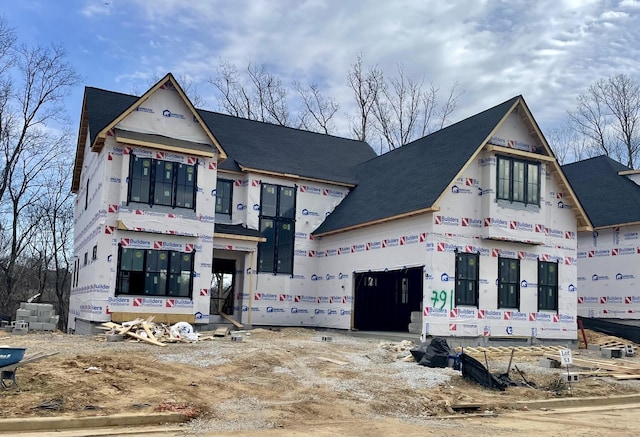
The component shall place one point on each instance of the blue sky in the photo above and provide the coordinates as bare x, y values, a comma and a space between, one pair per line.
549, 51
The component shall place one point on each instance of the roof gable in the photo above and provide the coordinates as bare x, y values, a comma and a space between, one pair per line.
608, 197
251, 145
411, 179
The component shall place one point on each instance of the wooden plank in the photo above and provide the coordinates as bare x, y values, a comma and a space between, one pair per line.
624, 377
147, 330
222, 331
145, 339
331, 360
231, 320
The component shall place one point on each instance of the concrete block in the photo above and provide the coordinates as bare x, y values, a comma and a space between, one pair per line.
611, 352
21, 324
20, 314
415, 328
237, 338
629, 351
416, 317
593, 347
19, 331
549, 363
32, 319
326, 338
570, 377
49, 326
54, 320
35, 326
44, 315
32, 306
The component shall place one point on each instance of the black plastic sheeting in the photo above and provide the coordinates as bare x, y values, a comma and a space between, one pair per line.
473, 370
627, 329
434, 354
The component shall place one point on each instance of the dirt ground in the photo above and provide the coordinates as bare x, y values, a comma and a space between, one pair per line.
272, 379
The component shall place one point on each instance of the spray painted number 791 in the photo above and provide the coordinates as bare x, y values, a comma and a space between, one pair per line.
439, 299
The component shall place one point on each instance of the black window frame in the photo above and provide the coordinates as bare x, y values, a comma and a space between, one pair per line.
467, 285
220, 199
530, 189
548, 285
176, 183
148, 271
507, 282
277, 225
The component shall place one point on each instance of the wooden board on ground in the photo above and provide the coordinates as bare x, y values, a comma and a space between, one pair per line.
331, 360
222, 331
231, 320
506, 350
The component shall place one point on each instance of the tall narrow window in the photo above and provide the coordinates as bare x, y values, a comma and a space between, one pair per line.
508, 283
224, 197
518, 181
277, 225
467, 279
86, 195
547, 286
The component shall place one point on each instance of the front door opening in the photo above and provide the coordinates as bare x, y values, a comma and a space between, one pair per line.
222, 286
384, 300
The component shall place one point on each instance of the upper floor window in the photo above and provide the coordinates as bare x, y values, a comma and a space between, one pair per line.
518, 180
547, 286
508, 283
277, 225
157, 182
467, 279
154, 272
224, 197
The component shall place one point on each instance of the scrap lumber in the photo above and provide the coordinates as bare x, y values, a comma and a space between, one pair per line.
145, 339
231, 320
495, 351
331, 360
222, 331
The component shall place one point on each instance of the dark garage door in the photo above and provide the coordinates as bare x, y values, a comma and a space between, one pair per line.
384, 300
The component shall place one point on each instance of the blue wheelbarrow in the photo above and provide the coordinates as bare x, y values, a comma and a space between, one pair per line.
12, 358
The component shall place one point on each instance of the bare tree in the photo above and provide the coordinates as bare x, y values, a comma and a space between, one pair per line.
261, 96
568, 145
34, 84
399, 108
608, 115
366, 86
317, 111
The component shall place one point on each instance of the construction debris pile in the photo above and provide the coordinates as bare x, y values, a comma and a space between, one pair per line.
158, 334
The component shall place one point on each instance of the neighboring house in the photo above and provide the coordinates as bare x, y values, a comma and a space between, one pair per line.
473, 227
609, 256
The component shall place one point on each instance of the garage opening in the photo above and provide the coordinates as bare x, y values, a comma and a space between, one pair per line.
384, 300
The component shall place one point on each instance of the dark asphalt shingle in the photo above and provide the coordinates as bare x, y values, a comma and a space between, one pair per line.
412, 177
608, 198
253, 144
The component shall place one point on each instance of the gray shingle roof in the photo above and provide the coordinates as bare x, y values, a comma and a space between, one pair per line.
412, 177
608, 198
253, 144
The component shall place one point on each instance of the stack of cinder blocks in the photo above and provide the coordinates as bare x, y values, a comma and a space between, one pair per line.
39, 316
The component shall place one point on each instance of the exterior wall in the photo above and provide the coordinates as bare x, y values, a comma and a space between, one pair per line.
471, 220
608, 283
287, 300
387, 246
109, 221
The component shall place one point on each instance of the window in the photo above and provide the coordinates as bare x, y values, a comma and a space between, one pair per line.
508, 283
277, 225
86, 195
157, 182
467, 278
547, 286
86, 258
224, 197
154, 272
518, 181
94, 255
